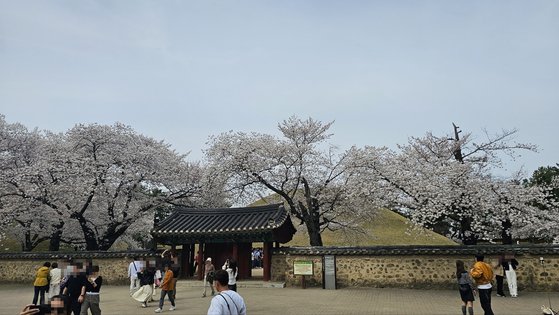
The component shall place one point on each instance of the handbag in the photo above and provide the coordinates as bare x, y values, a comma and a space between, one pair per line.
210, 276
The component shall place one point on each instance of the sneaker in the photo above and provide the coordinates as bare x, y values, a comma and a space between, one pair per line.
158, 310
500, 295
172, 308
144, 305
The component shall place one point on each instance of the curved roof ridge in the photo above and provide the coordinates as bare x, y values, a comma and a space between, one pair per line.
196, 223
269, 207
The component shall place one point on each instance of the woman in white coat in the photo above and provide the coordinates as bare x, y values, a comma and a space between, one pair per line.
55, 278
510, 264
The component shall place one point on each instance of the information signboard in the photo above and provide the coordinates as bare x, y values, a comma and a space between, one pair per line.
303, 268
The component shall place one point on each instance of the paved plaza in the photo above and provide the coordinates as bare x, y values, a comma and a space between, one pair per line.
283, 301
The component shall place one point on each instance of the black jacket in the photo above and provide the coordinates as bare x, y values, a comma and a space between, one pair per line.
513, 263
146, 277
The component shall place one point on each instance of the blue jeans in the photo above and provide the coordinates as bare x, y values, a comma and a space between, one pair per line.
162, 299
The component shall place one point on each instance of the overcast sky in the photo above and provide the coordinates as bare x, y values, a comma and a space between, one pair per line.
181, 71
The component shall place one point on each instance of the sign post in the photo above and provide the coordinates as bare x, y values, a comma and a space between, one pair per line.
329, 272
303, 268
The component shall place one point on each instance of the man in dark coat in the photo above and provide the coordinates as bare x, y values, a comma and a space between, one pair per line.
73, 289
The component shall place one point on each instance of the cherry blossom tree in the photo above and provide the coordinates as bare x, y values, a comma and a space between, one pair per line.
445, 184
20, 153
87, 187
117, 173
311, 177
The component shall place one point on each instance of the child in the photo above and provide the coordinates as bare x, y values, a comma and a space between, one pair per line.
466, 288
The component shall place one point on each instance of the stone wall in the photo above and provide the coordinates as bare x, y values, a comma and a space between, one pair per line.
403, 266
21, 267
414, 267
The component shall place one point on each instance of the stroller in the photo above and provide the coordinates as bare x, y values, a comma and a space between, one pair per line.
547, 310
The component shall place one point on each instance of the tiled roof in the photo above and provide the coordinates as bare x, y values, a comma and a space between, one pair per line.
193, 223
421, 250
79, 255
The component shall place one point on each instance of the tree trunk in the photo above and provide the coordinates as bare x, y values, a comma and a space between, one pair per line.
467, 236
56, 236
310, 212
88, 234
314, 233
313, 226
113, 232
108, 241
27, 245
54, 242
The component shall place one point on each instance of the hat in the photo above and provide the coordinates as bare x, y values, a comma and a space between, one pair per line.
209, 259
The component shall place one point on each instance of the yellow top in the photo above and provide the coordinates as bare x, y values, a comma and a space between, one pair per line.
42, 277
482, 273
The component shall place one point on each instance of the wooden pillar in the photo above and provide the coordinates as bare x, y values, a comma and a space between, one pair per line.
192, 248
267, 262
185, 262
201, 261
235, 253
250, 261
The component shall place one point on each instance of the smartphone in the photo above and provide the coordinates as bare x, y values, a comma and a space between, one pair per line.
44, 309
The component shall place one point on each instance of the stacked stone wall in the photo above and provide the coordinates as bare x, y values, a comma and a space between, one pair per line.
409, 269
404, 267
21, 268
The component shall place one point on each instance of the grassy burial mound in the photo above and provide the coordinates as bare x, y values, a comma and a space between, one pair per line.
387, 228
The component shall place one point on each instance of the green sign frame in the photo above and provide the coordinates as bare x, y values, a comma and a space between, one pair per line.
303, 268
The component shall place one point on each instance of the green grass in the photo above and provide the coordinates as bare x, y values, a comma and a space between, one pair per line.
11, 245
387, 228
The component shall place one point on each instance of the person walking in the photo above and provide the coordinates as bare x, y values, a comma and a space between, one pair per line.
145, 292
55, 278
167, 289
75, 282
175, 266
483, 274
195, 263
133, 268
227, 302
498, 271
91, 293
510, 265
231, 267
209, 270
41, 283
466, 288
